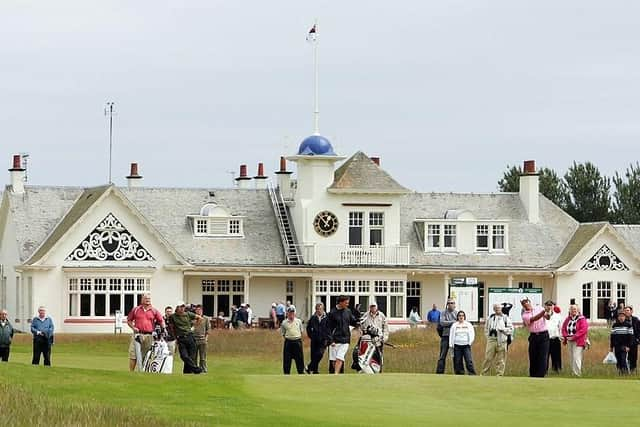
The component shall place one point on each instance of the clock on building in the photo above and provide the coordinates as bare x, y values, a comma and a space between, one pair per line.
325, 223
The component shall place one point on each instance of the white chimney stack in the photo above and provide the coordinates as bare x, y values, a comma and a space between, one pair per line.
260, 180
243, 180
17, 174
134, 180
529, 190
284, 180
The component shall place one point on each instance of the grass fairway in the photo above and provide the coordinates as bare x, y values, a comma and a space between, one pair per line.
89, 385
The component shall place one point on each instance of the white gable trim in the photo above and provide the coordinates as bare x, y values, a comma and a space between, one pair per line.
583, 254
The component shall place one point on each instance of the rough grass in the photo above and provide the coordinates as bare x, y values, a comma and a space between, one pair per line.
89, 385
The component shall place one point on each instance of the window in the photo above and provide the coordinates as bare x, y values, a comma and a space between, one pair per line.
218, 227
622, 293
335, 286
603, 294
586, 300
321, 286
234, 226
449, 236
376, 227
525, 285
349, 286
103, 296
219, 294
290, 291
363, 286
498, 237
389, 294
482, 237
355, 228
413, 296
433, 236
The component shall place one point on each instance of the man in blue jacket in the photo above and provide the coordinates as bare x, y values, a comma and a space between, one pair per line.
42, 330
6, 334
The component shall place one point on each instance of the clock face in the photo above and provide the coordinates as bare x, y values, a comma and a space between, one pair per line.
325, 223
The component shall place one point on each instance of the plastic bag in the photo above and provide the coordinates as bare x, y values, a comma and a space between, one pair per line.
610, 359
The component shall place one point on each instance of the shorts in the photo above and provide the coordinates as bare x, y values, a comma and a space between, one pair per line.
146, 342
338, 351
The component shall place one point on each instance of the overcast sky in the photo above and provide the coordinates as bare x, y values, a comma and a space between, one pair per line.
447, 93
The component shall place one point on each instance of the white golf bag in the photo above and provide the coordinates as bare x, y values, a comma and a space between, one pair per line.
368, 358
158, 359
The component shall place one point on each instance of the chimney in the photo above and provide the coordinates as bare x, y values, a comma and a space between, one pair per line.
284, 180
376, 160
260, 180
134, 180
17, 174
243, 180
529, 190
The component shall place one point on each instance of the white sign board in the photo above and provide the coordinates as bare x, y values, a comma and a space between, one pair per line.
118, 321
466, 298
513, 296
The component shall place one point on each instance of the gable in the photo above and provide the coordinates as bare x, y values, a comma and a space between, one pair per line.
605, 260
110, 241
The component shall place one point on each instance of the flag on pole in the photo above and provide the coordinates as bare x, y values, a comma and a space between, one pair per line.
311, 36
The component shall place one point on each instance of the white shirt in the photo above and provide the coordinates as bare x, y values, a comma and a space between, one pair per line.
553, 325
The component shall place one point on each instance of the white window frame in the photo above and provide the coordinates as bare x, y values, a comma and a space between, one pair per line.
498, 230
93, 285
394, 291
434, 237
454, 247
233, 226
376, 222
482, 231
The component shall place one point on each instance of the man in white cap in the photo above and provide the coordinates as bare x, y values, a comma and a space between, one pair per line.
291, 330
377, 319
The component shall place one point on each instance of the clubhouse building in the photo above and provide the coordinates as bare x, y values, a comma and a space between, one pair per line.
337, 226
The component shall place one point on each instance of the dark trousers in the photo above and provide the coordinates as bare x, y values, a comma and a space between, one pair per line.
187, 349
41, 346
462, 352
292, 349
444, 350
317, 352
633, 357
538, 354
622, 360
4, 354
555, 354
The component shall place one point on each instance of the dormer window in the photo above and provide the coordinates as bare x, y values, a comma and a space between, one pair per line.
490, 238
216, 221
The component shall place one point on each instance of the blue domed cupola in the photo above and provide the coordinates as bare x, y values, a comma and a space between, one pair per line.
316, 145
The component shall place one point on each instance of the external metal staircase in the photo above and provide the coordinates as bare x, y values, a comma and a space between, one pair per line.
287, 232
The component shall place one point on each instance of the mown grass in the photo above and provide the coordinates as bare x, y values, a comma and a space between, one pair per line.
89, 385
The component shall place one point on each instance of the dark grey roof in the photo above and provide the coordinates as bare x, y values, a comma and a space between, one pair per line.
42, 215
359, 174
167, 210
36, 213
630, 234
530, 245
581, 237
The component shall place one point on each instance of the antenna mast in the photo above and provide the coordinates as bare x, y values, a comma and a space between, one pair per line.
312, 37
108, 111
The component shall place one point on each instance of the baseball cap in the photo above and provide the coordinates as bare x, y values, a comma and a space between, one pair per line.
291, 309
523, 300
180, 303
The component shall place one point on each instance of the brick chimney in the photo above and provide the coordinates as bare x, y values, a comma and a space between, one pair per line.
243, 180
529, 191
260, 180
17, 174
134, 180
284, 180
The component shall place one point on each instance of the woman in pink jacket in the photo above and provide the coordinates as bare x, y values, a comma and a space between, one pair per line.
575, 332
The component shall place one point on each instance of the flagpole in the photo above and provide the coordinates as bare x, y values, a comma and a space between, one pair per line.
316, 112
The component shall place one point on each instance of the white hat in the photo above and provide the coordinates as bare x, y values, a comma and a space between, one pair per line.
180, 303
291, 309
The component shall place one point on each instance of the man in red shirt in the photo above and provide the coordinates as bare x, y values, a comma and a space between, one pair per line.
142, 320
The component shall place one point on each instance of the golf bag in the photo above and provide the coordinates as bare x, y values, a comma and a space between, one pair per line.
158, 359
367, 355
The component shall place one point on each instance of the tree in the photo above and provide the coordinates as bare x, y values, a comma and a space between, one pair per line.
551, 185
626, 197
588, 197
